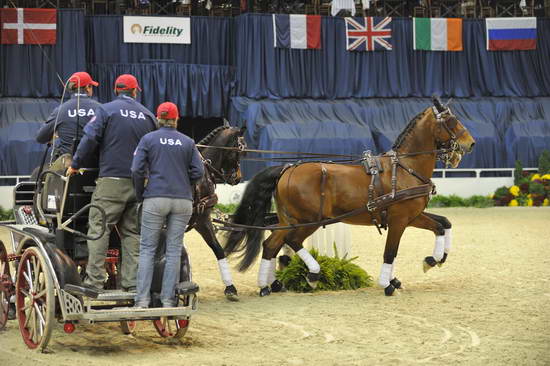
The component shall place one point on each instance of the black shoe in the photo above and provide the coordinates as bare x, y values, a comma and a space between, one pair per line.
277, 286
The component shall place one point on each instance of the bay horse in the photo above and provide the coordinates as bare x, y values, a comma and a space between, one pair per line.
222, 165
389, 191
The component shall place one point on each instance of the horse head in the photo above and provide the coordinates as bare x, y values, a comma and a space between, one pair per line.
225, 148
450, 135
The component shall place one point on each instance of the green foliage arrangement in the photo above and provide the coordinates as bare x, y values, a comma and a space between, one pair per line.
529, 189
6, 215
456, 201
228, 209
336, 274
544, 162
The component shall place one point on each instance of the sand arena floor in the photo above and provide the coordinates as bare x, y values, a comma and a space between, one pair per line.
488, 305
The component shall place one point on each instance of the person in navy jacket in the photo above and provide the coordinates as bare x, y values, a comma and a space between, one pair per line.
172, 164
115, 131
80, 108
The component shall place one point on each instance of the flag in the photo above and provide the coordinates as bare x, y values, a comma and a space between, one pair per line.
368, 34
296, 31
28, 26
505, 34
437, 34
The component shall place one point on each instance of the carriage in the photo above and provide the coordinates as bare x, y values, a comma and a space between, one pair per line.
42, 269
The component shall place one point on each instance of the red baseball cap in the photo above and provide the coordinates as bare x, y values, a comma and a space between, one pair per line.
167, 110
127, 81
83, 79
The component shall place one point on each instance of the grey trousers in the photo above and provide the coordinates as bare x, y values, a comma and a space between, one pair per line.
117, 197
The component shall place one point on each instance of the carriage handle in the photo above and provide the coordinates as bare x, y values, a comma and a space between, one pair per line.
64, 225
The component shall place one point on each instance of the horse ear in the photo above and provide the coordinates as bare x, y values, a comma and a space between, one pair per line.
437, 103
225, 123
243, 130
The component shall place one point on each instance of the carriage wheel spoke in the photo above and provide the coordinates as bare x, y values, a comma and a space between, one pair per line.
41, 294
28, 311
28, 278
25, 292
41, 321
37, 273
32, 326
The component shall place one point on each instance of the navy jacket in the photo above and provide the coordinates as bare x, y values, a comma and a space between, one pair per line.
66, 122
172, 163
117, 129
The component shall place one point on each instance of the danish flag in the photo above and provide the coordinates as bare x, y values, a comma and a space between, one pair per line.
368, 34
28, 26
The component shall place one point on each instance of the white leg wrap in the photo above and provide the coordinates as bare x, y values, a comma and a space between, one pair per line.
265, 265
392, 275
271, 275
224, 271
439, 247
310, 262
385, 274
448, 239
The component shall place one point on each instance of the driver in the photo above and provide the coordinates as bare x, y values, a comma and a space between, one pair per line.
79, 109
171, 162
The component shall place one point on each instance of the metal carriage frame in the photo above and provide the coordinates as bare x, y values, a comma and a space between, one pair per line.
43, 281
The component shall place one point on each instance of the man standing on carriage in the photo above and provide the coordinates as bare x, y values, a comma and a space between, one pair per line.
68, 120
172, 164
116, 131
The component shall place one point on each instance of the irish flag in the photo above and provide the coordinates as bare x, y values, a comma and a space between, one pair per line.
437, 34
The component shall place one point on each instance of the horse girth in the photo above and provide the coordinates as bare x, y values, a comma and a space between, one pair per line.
378, 201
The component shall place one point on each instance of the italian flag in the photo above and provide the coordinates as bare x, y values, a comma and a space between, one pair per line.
437, 34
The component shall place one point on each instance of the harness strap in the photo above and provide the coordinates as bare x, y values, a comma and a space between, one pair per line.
383, 201
323, 184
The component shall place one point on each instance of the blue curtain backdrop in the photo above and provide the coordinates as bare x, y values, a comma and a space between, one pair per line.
505, 129
32, 70
333, 72
197, 90
212, 41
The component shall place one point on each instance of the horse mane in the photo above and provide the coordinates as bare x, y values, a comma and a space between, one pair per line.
208, 138
399, 140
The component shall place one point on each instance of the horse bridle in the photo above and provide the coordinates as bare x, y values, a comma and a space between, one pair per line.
229, 177
446, 149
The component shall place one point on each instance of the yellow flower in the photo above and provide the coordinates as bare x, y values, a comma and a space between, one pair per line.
529, 195
535, 176
546, 202
514, 190
529, 202
513, 203
546, 177
491, 196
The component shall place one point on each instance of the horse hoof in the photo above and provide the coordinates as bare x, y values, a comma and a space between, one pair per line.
231, 294
312, 279
429, 263
388, 291
277, 286
284, 261
396, 283
440, 263
265, 291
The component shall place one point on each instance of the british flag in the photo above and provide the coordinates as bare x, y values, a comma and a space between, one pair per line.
368, 34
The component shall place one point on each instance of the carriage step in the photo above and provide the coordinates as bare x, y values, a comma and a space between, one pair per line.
187, 288
82, 291
116, 295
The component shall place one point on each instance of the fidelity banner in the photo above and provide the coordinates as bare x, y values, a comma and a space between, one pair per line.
157, 30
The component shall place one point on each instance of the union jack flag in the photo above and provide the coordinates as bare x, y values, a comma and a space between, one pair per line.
368, 34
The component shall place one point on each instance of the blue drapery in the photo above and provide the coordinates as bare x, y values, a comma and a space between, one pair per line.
505, 129
19, 151
333, 72
32, 70
197, 90
211, 43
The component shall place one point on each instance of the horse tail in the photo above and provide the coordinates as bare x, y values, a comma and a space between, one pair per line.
256, 202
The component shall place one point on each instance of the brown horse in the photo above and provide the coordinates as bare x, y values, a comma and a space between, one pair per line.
388, 191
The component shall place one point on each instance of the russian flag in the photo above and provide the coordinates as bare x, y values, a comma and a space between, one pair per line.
506, 34
296, 31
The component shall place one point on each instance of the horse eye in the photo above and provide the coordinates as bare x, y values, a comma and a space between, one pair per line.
451, 122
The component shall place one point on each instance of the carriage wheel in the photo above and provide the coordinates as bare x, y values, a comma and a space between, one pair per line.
34, 299
174, 328
128, 326
5, 281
